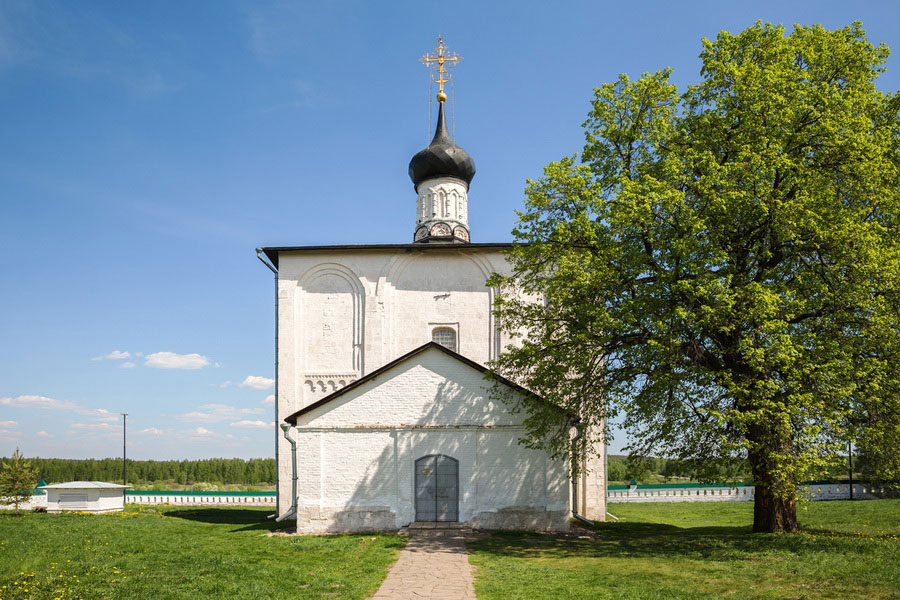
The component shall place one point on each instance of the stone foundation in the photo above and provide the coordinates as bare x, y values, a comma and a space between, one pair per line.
345, 520
527, 518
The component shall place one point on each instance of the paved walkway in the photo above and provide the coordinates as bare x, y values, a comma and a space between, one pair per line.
433, 565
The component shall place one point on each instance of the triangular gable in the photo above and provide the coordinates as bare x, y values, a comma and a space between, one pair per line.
441, 377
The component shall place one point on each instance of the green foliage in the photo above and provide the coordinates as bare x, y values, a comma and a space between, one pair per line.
172, 553
616, 469
184, 472
722, 268
17, 480
622, 469
690, 551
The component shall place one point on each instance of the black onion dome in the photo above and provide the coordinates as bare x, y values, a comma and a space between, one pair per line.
442, 158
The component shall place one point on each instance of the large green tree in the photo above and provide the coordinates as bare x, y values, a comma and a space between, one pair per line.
721, 267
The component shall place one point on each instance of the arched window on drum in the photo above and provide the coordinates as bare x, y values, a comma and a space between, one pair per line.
445, 336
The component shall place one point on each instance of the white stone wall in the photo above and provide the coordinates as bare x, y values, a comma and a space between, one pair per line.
34, 501
431, 389
591, 482
356, 455
345, 313
234, 499
819, 491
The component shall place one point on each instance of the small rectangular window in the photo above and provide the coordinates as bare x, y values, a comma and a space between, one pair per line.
444, 336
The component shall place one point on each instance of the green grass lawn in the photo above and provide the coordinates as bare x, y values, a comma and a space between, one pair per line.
701, 550
680, 550
183, 553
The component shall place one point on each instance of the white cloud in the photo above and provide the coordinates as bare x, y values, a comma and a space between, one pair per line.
258, 383
219, 412
44, 403
203, 431
7, 424
95, 426
254, 424
226, 384
150, 431
128, 365
42, 434
114, 355
172, 360
269, 400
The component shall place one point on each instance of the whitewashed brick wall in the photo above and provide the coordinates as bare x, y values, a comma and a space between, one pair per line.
356, 455
345, 313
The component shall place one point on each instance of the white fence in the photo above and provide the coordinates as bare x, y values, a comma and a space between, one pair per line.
662, 493
817, 491
35, 501
222, 499
235, 499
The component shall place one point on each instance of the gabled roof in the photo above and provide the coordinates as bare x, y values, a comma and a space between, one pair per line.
292, 419
273, 251
83, 485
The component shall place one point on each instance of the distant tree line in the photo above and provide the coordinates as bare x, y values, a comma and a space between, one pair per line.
654, 470
185, 472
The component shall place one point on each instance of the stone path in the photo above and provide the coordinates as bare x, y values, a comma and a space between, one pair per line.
433, 565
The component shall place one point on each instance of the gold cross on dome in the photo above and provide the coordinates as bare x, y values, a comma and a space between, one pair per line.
440, 62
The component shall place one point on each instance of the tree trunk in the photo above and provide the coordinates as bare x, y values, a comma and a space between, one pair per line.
772, 514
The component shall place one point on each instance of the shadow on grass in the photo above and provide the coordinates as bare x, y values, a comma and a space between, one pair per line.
251, 519
849, 534
650, 540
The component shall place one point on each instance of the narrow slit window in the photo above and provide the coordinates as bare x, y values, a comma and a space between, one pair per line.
444, 336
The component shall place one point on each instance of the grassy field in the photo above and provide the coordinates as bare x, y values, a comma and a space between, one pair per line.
684, 550
701, 550
183, 553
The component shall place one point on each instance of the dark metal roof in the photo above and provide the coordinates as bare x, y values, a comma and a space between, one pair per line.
442, 158
292, 419
271, 252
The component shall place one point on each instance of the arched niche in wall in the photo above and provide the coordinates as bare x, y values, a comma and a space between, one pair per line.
331, 308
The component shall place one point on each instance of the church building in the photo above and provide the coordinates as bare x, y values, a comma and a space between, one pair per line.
385, 414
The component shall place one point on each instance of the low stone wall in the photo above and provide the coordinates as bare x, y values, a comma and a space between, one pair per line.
739, 493
202, 498
177, 498
36, 501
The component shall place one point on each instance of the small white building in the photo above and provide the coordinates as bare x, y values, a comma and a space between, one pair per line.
85, 496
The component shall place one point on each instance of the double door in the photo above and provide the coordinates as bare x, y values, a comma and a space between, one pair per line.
437, 488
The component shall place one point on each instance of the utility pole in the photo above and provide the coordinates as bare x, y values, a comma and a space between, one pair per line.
124, 464
850, 461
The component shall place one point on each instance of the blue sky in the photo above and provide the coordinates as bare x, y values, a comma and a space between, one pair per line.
147, 149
